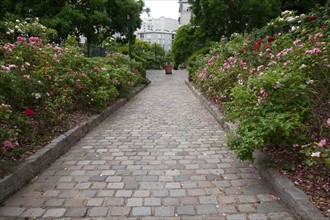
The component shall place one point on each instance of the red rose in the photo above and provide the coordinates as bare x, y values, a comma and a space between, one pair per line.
311, 18
270, 39
29, 112
256, 47
323, 27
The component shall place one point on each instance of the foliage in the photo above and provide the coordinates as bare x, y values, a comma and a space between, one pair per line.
187, 40
222, 18
95, 19
152, 55
274, 87
218, 18
41, 82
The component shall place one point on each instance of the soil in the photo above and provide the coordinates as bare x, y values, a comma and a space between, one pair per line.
7, 165
313, 180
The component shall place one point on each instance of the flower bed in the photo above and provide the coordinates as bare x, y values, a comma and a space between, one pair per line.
274, 84
45, 88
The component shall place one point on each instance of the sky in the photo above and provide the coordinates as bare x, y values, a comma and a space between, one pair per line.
166, 8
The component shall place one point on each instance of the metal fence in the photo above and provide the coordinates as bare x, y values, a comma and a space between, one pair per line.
93, 50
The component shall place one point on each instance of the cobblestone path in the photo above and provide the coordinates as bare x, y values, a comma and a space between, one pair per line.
161, 156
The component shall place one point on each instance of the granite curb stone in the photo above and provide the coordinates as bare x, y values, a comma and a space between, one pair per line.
294, 198
40, 160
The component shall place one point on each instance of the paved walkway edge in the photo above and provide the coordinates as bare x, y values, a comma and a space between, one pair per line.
39, 161
294, 198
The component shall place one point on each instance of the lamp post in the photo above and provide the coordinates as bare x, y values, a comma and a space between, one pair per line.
129, 36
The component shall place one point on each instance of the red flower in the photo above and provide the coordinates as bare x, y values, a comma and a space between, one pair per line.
29, 112
243, 50
256, 47
268, 46
323, 27
259, 42
270, 39
311, 18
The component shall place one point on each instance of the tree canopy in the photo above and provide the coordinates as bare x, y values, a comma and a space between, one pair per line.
187, 40
218, 18
95, 19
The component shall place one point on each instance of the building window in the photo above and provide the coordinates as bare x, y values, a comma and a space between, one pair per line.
141, 36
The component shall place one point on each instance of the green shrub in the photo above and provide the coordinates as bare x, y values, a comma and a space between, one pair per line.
274, 85
41, 83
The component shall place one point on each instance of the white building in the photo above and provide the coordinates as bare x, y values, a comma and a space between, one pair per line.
158, 30
185, 12
164, 38
159, 24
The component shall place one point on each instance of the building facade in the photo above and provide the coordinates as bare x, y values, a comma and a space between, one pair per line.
158, 30
185, 12
162, 38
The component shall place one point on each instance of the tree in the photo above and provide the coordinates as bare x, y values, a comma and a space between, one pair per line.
95, 19
187, 40
300, 6
218, 18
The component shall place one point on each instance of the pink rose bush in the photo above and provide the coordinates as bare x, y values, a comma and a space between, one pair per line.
275, 84
41, 82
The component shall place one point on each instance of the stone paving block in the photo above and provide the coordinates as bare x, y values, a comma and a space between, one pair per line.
65, 185
83, 186
76, 212
257, 217
54, 202
246, 208
208, 200
279, 216
105, 193
269, 207
171, 201
142, 193
172, 186
151, 185
152, 201
87, 193
113, 179
98, 178
233, 191
75, 202
68, 194
51, 193
206, 209
120, 211
94, 202
164, 211
186, 210
246, 199
124, 193
196, 192
54, 213
115, 186
11, 211
134, 202
182, 178
147, 178
177, 192
190, 200
98, 212
98, 185
236, 217
141, 211
114, 201
33, 213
